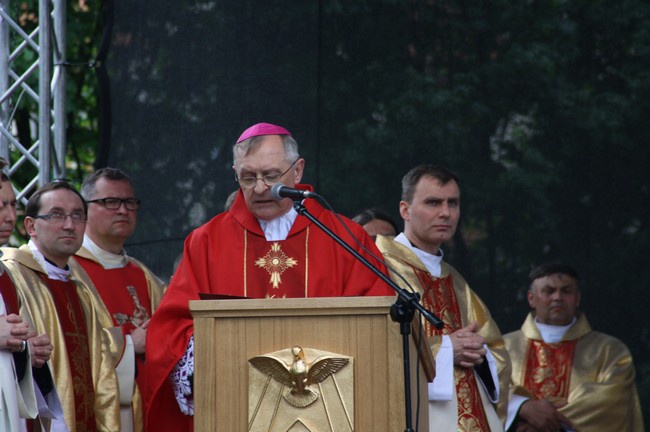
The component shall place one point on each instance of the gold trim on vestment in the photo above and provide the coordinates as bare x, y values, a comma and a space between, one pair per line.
245, 251
307, 263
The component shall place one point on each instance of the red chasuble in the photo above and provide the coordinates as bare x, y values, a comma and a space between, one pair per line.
8, 292
125, 294
230, 255
439, 297
72, 321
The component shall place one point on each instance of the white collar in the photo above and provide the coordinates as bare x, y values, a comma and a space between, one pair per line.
278, 228
431, 262
107, 259
53, 272
552, 333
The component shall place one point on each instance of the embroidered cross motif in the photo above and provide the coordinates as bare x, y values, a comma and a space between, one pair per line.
275, 262
140, 314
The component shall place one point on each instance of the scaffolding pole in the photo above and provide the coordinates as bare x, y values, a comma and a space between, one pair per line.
32, 80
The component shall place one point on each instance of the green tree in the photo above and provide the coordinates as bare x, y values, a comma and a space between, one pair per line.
539, 106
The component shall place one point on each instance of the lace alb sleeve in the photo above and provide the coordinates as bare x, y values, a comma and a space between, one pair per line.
181, 377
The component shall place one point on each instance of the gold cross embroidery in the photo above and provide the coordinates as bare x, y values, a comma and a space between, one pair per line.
140, 314
275, 262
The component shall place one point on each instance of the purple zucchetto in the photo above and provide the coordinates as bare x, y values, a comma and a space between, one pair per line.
262, 129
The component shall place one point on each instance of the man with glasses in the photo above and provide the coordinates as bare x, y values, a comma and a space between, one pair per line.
57, 304
128, 291
260, 248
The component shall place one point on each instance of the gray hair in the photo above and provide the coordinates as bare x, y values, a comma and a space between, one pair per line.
248, 145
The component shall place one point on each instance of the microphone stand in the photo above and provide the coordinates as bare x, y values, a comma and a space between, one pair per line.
402, 311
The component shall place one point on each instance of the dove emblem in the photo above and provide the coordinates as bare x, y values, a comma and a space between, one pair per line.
299, 376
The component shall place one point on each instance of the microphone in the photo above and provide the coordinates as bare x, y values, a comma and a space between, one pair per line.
279, 191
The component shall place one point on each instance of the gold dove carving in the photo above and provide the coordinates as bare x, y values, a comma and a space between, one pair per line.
300, 375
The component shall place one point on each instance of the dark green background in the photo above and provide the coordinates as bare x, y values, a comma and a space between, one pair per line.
541, 107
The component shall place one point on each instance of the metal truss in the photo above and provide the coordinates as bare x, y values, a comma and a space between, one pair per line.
32, 77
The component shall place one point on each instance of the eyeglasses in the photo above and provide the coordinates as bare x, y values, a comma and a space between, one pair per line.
115, 203
268, 179
77, 217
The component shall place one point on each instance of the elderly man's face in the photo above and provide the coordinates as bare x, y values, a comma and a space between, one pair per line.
268, 158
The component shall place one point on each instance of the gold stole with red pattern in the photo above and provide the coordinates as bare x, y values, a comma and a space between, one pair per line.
438, 296
547, 368
71, 319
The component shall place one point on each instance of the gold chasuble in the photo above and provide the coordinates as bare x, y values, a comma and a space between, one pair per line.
80, 357
591, 371
451, 299
438, 295
71, 319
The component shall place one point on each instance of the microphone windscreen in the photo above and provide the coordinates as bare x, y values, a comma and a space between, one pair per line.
275, 191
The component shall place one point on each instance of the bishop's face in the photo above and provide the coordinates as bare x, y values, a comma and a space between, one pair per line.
268, 159
555, 299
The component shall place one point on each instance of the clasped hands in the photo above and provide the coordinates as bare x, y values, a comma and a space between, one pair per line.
469, 350
139, 336
14, 331
540, 415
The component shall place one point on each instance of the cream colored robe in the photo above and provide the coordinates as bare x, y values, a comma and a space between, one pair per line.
17, 399
443, 414
37, 306
602, 393
156, 288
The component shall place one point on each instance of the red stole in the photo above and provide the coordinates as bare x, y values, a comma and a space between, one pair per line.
547, 368
8, 292
71, 318
438, 296
125, 293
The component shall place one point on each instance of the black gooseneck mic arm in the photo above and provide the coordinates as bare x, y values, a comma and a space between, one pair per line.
403, 295
401, 312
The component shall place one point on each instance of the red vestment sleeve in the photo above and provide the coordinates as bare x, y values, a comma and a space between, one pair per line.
168, 334
229, 255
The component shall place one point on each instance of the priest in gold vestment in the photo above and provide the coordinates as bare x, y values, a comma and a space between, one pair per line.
470, 391
577, 379
52, 301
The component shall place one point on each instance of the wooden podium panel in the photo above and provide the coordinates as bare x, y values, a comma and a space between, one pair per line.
227, 333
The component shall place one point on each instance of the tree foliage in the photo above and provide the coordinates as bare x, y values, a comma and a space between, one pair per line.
540, 106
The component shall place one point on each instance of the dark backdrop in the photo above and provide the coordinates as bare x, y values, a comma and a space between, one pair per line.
541, 107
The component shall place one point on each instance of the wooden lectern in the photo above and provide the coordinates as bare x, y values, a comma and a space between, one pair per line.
228, 333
